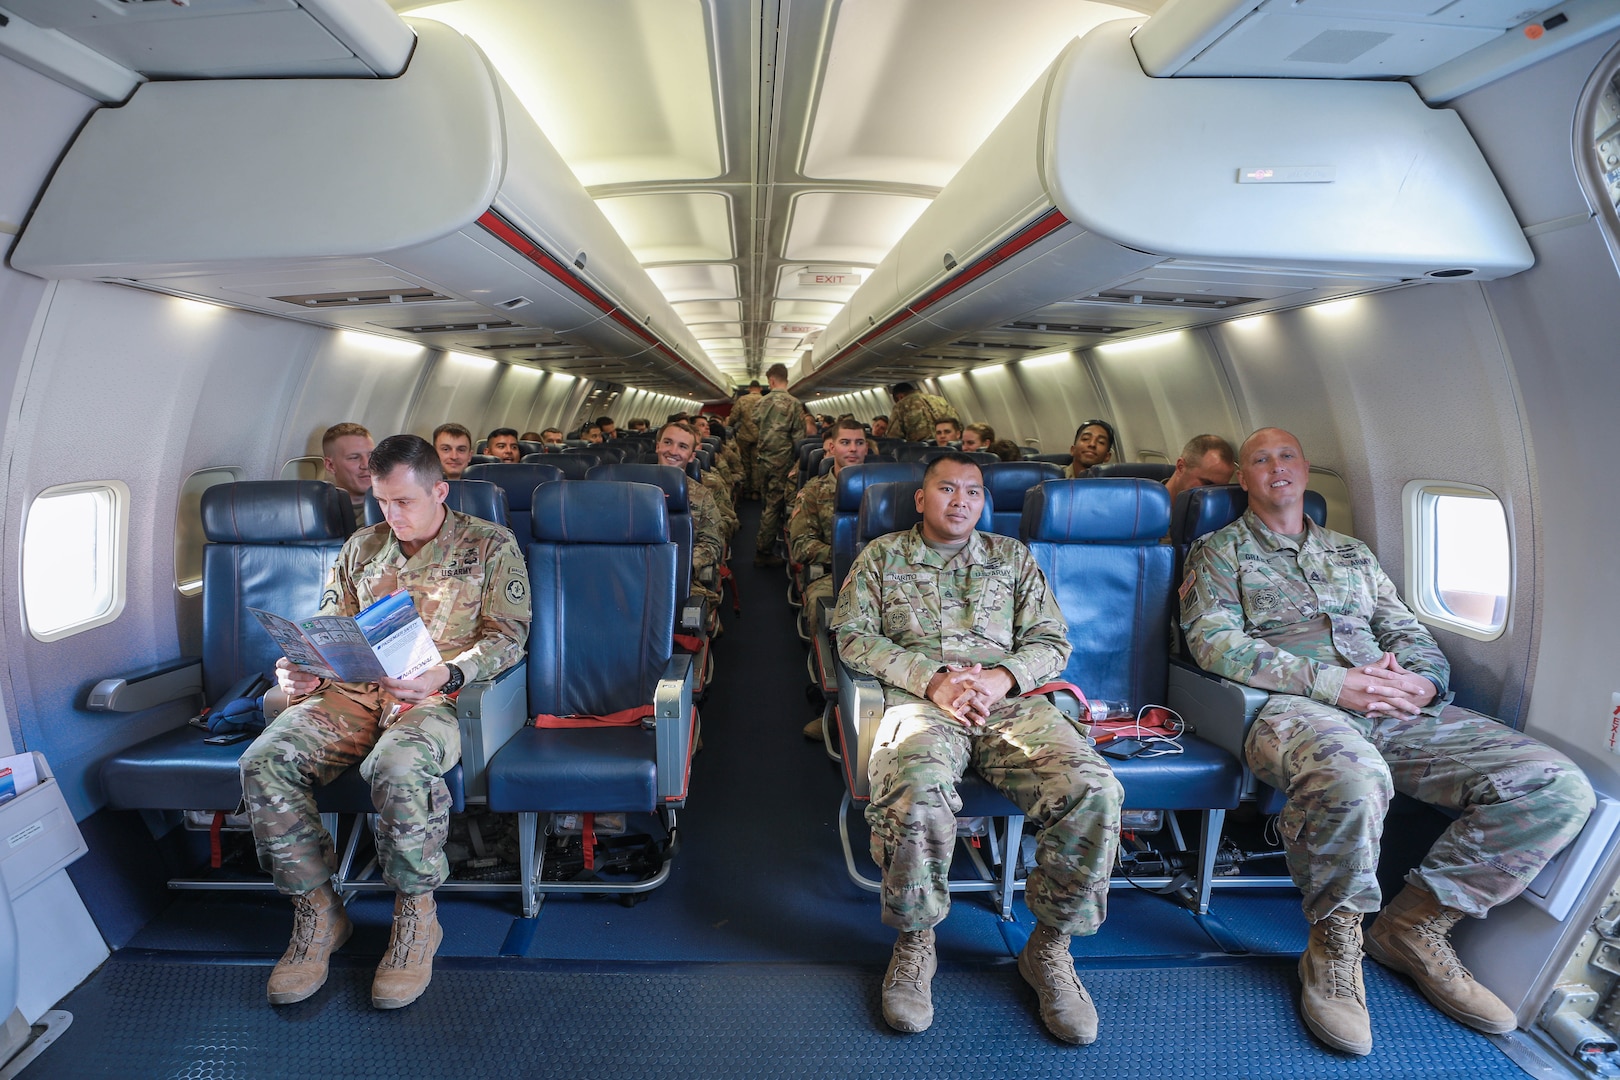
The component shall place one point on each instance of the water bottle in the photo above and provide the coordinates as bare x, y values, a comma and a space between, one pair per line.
1108, 710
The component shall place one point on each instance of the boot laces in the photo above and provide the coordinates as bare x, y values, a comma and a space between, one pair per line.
305, 922
407, 942
1052, 954
1343, 957
1435, 934
909, 953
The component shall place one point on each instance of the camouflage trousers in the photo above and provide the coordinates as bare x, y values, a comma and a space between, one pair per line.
1036, 757
314, 741
1520, 802
815, 592
770, 477
747, 488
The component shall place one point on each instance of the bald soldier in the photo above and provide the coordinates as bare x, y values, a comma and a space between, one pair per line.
1360, 709
470, 587
957, 624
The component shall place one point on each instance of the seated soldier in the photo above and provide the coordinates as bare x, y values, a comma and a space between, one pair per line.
677, 445
978, 437
1093, 445
454, 445
1206, 461
591, 434
947, 431
503, 445
347, 450
957, 624
609, 430
1006, 450
1359, 709
470, 586
811, 526
640, 423
551, 437
880, 426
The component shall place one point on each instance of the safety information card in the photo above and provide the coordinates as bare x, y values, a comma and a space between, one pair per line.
387, 638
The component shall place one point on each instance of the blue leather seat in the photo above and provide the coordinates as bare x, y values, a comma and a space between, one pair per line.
673, 483
1202, 510
599, 546
852, 483
1099, 543
1007, 482
1062, 461
480, 498
517, 482
529, 446
1133, 470
571, 466
593, 452
886, 507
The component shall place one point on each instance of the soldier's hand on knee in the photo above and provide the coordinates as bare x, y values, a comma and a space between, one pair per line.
295, 681
1415, 686
1373, 692
954, 691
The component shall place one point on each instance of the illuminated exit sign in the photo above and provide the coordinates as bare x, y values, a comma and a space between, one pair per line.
829, 277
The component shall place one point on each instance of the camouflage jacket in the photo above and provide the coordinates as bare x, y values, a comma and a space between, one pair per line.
469, 584
716, 487
810, 528
781, 420
744, 427
914, 416
708, 529
904, 612
1261, 610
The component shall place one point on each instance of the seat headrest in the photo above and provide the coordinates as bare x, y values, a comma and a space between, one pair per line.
480, 498
518, 480
1139, 470
600, 512
853, 481
1009, 481
982, 457
1202, 510
1097, 510
276, 512
667, 478
892, 507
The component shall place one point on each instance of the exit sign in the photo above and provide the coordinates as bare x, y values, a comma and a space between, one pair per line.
829, 277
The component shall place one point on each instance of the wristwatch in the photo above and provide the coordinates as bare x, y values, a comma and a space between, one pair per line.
456, 680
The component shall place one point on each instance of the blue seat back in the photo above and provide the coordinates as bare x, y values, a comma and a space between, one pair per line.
602, 573
1133, 470
517, 482
1099, 543
1007, 482
929, 452
592, 452
1062, 461
271, 545
1201, 510
571, 466
529, 446
851, 487
480, 498
892, 507
673, 483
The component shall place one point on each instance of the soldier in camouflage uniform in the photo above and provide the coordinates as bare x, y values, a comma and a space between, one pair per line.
779, 418
470, 586
1093, 445
915, 413
956, 624
810, 531
745, 430
1360, 709
676, 446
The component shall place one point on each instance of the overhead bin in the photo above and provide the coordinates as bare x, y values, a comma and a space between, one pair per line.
1195, 199
429, 206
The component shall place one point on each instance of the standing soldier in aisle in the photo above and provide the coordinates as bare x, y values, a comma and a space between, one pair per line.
745, 429
915, 413
778, 417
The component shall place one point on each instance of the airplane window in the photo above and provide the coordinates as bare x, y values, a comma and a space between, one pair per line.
188, 534
1459, 563
1597, 149
73, 554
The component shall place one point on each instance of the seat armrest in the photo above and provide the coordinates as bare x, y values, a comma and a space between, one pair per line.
148, 687
489, 712
860, 708
672, 717
693, 616
1069, 705
827, 661
1217, 710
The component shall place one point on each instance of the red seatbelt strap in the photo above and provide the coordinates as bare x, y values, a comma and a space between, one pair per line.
728, 578
622, 718
215, 854
1054, 687
587, 839
688, 643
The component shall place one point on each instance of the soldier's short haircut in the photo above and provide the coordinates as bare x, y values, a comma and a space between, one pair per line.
640, 423
753, 384
1006, 450
337, 431
509, 432
881, 416
777, 371
901, 389
955, 457
984, 431
600, 420
951, 420
1200, 445
411, 452
549, 431
453, 430
529, 436
1105, 425
683, 426
849, 423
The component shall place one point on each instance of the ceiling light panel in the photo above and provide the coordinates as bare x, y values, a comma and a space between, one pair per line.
706, 331
809, 312
912, 87
673, 227
854, 227
682, 283
698, 311
655, 118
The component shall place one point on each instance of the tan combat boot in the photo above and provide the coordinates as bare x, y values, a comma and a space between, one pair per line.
320, 927
407, 967
814, 731
907, 1003
1411, 936
1066, 1008
1334, 1002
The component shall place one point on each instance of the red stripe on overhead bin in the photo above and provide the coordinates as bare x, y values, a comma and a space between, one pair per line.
1030, 234
510, 235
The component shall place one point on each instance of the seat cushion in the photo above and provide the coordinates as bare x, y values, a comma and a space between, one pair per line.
585, 769
175, 771
1202, 776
